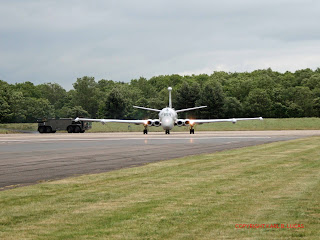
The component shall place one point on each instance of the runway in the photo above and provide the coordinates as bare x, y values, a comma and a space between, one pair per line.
31, 158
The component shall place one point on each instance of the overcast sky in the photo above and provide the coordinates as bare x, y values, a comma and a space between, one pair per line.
59, 41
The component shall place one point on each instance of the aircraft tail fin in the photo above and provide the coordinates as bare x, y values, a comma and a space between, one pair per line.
170, 102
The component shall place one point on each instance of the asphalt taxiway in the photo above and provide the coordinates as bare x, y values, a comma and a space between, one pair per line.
31, 158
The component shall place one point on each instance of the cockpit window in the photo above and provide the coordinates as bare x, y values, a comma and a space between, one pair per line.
167, 114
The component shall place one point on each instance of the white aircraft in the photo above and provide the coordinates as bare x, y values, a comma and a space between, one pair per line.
168, 118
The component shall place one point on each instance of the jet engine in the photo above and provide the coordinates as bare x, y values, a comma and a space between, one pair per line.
153, 122
180, 122
187, 122
149, 122
156, 123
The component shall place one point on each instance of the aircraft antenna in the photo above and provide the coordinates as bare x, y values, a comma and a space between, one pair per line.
170, 102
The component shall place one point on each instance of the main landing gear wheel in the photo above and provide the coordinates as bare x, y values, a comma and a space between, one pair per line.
145, 131
167, 131
191, 131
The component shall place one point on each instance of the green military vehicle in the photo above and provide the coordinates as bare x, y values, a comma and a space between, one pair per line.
63, 124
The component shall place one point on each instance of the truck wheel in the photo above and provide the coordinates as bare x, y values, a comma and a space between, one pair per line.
82, 131
41, 129
70, 129
48, 129
77, 129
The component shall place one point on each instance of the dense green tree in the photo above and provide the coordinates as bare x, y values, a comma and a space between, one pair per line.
144, 86
312, 82
28, 89
287, 80
238, 87
17, 104
264, 81
37, 108
232, 108
303, 97
213, 97
116, 105
219, 76
186, 97
201, 79
5, 93
5, 113
279, 110
55, 94
86, 95
106, 85
301, 75
294, 110
258, 103
316, 107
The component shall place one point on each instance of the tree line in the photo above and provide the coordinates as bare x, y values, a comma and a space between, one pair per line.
265, 93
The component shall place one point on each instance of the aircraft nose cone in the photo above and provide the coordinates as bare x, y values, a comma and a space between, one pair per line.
167, 123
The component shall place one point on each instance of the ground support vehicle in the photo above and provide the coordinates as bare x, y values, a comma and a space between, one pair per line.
64, 124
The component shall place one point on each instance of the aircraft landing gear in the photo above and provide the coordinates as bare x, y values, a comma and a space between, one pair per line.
145, 130
191, 131
167, 131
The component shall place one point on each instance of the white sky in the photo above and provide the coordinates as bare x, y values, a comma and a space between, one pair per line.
58, 41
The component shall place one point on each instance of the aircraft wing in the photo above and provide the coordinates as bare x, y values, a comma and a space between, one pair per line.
150, 109
233, 120
188, 109
112, 120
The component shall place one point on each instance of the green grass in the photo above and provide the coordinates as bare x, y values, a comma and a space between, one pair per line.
266, 124
5, 131
196, 197
16, 127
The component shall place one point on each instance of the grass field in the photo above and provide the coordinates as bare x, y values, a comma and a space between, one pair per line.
17, 127
266, 124
196, 197
4, 131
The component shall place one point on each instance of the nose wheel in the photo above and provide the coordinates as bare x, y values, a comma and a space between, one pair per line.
167, 131
145, 130
191, 131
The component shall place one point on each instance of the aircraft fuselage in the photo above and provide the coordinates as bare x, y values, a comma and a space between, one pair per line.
168, 117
